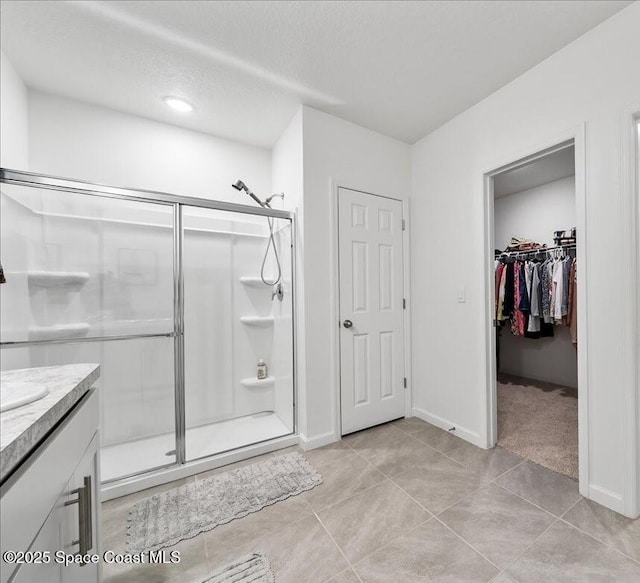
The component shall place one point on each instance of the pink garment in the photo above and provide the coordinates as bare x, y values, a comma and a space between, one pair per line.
517, 319
499, 271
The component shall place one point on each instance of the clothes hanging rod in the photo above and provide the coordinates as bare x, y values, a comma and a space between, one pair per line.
539, 250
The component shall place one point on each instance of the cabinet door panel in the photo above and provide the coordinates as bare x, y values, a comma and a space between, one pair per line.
49, 539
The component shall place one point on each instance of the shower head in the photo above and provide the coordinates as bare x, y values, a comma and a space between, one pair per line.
280, 194
240, 186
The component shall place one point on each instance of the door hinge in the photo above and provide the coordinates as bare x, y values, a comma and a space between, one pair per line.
405, 382
404, 304
404, 225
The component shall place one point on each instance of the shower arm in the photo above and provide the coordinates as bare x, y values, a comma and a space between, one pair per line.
277, 194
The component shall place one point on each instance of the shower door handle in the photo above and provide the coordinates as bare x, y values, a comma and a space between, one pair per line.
347, 323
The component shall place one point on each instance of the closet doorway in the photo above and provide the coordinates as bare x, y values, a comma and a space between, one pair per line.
534, 260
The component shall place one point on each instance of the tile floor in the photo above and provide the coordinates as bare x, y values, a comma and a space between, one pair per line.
409, 502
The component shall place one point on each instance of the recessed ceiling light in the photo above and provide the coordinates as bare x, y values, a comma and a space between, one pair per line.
178, 104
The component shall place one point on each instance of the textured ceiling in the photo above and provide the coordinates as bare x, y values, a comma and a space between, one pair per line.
400, 68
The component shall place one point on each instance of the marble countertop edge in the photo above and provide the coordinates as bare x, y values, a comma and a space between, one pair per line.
23, 428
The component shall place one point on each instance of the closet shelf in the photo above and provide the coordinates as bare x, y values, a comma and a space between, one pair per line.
250, 281
253, 382
77, 330
257, 321
57, 278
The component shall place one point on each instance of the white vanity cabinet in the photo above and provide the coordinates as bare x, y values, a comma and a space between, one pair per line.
51, 503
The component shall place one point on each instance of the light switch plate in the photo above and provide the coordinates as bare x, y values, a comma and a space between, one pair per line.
461, 295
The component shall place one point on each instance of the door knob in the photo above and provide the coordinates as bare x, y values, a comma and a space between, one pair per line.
347, 323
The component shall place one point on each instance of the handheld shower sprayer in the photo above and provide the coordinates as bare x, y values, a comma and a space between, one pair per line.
278, 292
241, 186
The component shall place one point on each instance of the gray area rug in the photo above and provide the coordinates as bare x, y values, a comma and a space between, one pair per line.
253, 568
539, 422
166, 518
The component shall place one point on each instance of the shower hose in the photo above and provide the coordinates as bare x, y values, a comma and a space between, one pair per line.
271, 243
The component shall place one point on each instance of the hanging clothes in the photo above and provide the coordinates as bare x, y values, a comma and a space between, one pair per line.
572, 316
545, 290
566, 272
536, 296
509, 295
500, 316
558, 290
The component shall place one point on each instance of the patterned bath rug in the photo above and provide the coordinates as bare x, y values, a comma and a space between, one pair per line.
253, 568
166, 518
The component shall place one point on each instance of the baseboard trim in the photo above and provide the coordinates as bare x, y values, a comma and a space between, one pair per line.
316, 441
607, 498
462, 432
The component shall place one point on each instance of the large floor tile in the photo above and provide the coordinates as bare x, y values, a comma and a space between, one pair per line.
497, 523
564, 554
347, 576
302, 551
328, 454
193, 566
342, 479
546, 488
378, 435
438, 438
430, 552
440, 485
399, 455
608, 526
410, 424
369, 520
223, 542
502, 578
488, 462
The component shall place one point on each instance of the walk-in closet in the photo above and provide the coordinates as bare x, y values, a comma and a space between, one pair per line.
536, 299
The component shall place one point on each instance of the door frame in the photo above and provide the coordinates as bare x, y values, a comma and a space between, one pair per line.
571, 137
336, 185
630, 119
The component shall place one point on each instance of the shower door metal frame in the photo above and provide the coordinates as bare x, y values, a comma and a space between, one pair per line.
177, 202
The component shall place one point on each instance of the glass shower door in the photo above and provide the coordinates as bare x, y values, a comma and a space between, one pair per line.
91, 279
233, 320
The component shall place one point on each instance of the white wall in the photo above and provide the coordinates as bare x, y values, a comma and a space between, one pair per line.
13, 118
535, 214
76, 140
581, 84
336, 153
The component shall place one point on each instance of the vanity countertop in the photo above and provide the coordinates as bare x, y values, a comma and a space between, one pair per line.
22, 429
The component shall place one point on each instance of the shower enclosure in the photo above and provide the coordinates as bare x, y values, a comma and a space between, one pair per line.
165, 293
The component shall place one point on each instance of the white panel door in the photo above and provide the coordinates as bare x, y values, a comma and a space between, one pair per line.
371, 309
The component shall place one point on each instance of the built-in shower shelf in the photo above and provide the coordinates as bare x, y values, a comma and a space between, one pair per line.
77, 330
254, 383
257, 321
57, 278
253, 282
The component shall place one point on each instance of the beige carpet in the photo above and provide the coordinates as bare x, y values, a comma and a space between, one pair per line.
539, 421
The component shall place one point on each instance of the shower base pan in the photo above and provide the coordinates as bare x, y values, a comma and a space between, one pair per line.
126, 459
